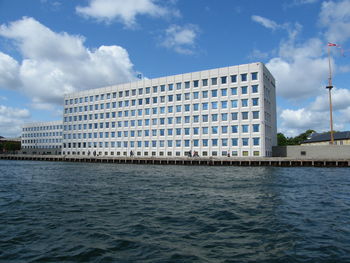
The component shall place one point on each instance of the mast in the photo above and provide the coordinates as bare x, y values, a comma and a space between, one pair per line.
330, 87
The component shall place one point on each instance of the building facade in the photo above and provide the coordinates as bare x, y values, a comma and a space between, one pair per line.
228, 111
42, 138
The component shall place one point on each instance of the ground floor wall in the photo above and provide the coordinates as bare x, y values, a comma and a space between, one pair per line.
313, 151
41, 151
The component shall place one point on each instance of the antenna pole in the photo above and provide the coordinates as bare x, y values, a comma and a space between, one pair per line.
330, 87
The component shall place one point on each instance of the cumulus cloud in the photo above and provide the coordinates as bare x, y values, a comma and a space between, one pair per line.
123, 11
268, 23
181, 39
11, 120
57, 63
9, 69
316, 114
335, 17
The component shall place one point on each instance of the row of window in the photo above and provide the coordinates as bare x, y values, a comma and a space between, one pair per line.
171, 109
234, 142
43, 141
162, 88
166, 132
255, 115
42, 134
43, 128
161, 153
195, 95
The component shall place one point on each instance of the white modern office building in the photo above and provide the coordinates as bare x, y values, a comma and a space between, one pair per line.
42, 138
229, 111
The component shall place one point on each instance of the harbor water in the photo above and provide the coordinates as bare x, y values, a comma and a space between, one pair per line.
89, 212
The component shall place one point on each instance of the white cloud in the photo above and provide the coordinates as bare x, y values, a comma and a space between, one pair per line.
335, 17
57, 63
9, 69
268, 23
11, 120
316, 115
299, 70
340, 100
181, 39
123, 11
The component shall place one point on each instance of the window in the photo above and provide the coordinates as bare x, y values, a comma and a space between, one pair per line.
255, 88
178, 85
196, 107
205, 118
254, 75
187, 131
234, 91
214, 142
195, 130
178, 97
162, 88
234, 104
187, 107
224, 116
233, 78
205, 142
187, 85
234, 141
244, 102
171, 87
204, 94
205, 130
170, 98
224, 92
234, 116
214, 105
245, 141
244, 77
223, 80
255, 101
224, 104
205, 82
170, 109
148, 90
224, 142
187, 96
245, 128
256, 141
244, 115
214, 81
178, 108
195, 83
214, 129
196, 118
255, 127
244, 90
214, 117
255, 114
214, 93
234, 128
224, 129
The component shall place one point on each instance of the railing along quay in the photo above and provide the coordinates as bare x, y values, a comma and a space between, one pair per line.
210, 161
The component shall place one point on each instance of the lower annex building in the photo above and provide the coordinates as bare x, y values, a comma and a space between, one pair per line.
229, 111
42, 138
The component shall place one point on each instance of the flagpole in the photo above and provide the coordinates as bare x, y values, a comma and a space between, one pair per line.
329, 87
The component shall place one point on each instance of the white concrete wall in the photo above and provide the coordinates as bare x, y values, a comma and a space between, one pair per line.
81, 115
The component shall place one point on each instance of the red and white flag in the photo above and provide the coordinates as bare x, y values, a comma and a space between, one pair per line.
332, 44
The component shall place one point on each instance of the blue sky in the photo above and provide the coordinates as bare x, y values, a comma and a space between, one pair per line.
48, 48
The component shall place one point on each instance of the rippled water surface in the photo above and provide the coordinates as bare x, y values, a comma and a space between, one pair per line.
75, 212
